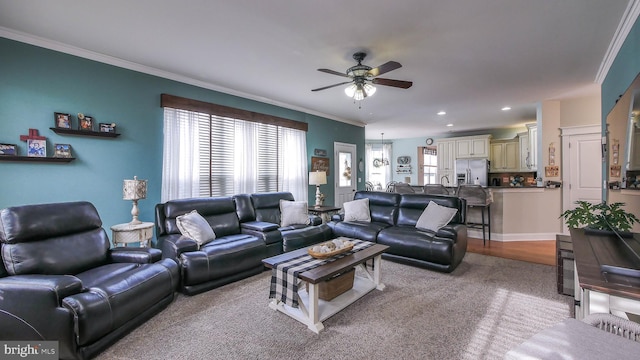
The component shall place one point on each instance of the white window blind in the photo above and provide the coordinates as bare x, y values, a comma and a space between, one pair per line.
231, 156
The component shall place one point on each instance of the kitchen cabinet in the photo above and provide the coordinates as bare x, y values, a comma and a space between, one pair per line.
446, 160
505, 156
525, 155
532, 130
473, 147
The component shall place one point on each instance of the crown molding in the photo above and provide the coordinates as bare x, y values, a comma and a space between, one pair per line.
125, 64
626, 23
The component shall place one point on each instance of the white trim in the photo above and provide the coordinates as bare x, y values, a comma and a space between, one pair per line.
125, 64
580, 130
477, 234
626, 23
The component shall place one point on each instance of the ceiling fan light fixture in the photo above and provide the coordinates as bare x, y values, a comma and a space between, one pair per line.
359, 91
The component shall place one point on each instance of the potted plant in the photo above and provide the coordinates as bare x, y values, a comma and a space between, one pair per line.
602, 216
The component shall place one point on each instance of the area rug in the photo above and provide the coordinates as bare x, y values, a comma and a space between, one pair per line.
487, 306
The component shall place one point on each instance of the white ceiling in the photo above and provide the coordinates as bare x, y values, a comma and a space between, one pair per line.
466, 57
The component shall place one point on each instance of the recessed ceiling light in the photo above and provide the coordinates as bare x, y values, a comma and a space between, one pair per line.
506, 108
442, 113
449, 125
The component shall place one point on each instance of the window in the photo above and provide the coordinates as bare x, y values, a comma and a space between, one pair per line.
428, 160
211, 155
378, 167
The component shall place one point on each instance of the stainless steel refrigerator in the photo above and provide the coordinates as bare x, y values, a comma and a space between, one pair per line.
472, 171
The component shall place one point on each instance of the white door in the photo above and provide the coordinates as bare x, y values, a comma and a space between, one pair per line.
581, 157
345, 173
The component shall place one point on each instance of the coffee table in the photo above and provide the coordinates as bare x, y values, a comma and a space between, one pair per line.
313, 311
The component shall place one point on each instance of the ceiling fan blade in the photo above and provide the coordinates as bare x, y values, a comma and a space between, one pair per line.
395, 83
333, 72
330, 86
385, 68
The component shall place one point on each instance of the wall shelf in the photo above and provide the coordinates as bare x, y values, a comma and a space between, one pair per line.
62, 131
35, 159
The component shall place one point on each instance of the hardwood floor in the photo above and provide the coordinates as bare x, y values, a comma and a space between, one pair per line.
539, 252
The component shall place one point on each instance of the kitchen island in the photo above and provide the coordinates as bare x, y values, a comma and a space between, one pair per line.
519, 213
525, 213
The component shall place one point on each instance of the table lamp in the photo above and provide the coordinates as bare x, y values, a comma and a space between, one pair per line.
318, 178
134, 190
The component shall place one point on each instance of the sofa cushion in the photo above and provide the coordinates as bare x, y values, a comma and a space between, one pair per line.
194, 226
414, 243
294, 213
383, 206
357, 210
435, 217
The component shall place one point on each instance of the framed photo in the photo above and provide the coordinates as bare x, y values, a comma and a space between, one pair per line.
85, 123
108, 128
36, 148
62, 150
320, 164
63, 121
8, 149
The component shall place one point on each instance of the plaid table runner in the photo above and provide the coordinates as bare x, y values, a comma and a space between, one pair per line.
284, 276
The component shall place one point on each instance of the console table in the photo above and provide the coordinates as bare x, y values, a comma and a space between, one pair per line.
324, 212
599, 289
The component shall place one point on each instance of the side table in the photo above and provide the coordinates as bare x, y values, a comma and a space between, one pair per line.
324, 212
128, 233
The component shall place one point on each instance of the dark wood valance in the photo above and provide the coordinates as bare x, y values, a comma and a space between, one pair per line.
177, 102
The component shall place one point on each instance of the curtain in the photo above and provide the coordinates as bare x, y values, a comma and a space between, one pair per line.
245, 157
293, 162
180, 155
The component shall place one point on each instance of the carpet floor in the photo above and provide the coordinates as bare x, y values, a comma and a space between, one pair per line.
487, 306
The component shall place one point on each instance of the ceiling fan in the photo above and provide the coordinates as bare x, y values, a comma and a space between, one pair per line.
363, 76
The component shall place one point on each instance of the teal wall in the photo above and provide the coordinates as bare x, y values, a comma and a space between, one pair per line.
36, 82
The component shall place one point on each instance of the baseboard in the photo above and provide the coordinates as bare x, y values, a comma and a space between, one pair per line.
477, 234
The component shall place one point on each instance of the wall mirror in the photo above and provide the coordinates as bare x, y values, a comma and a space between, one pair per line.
623, 146
632, 151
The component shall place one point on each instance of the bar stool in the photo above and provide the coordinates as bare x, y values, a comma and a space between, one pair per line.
478, 197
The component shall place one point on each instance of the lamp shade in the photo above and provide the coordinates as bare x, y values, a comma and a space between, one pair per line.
317, 178
134, 189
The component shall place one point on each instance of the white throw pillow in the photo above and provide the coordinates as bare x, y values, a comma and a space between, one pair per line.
294, 213
357, 210
435, 217
194, 226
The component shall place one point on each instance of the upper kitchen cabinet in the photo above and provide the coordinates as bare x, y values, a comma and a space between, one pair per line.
446, 160
473, 147
525, 154
504, 156
532, 130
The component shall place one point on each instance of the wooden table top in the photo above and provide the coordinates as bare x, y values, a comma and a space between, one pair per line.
326, 271
591, 251
324, 208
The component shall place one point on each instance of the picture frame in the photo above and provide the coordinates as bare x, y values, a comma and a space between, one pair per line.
36, 148
62, 151
85, 123
107, 128
8, 149
62, 120
320, 164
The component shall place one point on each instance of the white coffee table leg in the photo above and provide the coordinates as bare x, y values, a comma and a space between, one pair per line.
377, 262
314, 325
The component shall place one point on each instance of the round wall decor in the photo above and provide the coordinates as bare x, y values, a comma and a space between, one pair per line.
429, 141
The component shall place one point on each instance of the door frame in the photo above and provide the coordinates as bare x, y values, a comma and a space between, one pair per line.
336, 169
566, 133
